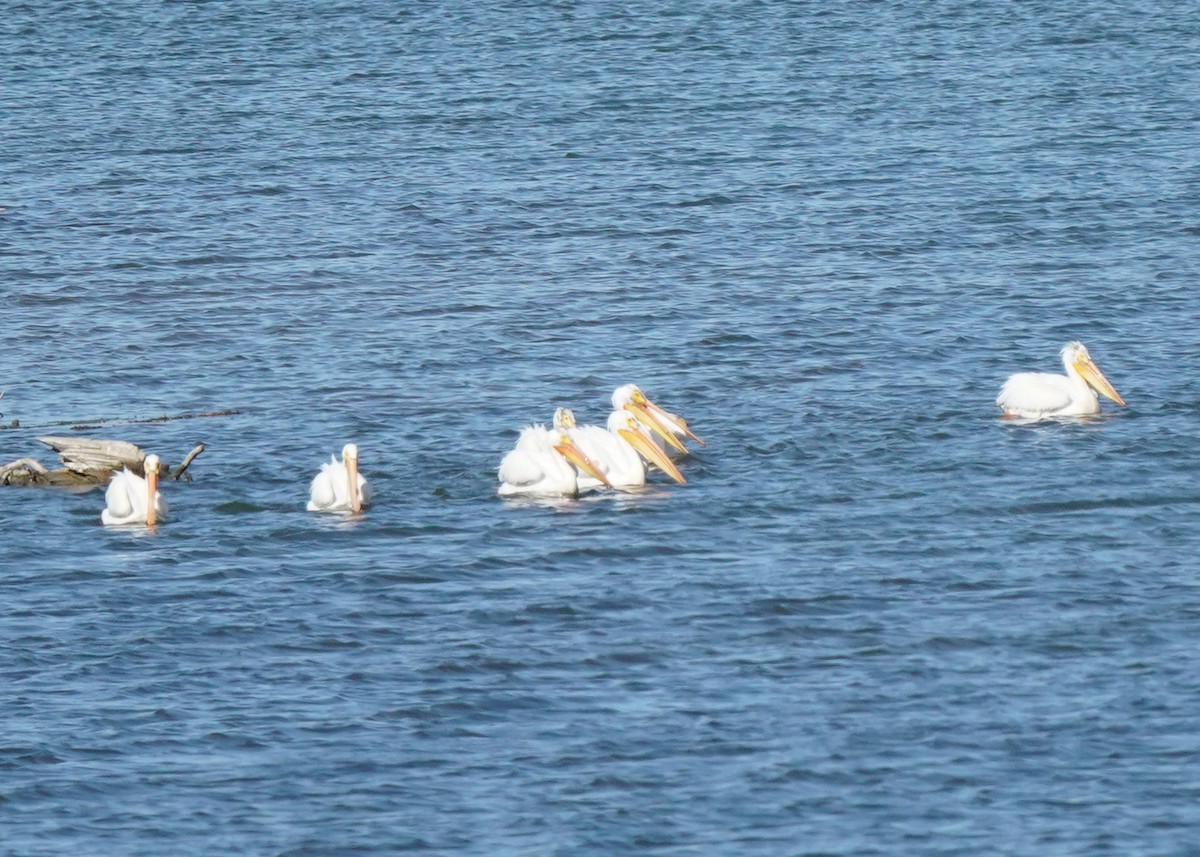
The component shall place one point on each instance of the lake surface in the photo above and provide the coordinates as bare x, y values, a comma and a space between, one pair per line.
877, 619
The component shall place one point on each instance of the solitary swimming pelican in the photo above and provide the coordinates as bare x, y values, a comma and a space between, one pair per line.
130, 499
339, 487
1035, 395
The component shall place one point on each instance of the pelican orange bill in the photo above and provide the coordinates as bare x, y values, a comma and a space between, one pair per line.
151, 468
654, 424
351, 462
672, 419
649, 451
1095, 378
572, 453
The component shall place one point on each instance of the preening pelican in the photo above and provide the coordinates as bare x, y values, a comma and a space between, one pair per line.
618, 449
339, 487
1035, 395
544, 464
130, 499
666, 427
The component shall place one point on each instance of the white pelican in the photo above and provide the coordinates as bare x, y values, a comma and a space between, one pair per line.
1034, 395
618, 449
666, 427
543, 464
339, 487
130, 499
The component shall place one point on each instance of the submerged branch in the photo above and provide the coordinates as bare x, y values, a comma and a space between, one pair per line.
105, 422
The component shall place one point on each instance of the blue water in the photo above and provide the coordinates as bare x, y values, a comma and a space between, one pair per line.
877, 620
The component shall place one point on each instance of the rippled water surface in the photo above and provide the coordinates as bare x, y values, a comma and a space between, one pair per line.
876, 620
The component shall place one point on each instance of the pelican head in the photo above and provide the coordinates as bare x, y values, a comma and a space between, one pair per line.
150, 467
1074, 351
627, 393
1077, 361
564, 419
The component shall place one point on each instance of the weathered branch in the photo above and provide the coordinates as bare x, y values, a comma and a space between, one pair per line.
22, 470
181, 470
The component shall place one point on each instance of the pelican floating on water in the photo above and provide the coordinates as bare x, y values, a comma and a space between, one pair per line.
666, 427
617, 449
1035, 395
130, 499
339, 487
546, 463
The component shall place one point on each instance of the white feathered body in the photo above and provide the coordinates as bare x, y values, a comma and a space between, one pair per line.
1043, 394
619, 461
330, 491
126, 500
534, 468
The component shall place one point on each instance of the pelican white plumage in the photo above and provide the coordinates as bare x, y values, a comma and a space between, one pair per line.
665, 427
545, 463
1038, 395
618, 449
339, 487
132, 499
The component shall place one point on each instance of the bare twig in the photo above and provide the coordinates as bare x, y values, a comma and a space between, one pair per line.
182, 468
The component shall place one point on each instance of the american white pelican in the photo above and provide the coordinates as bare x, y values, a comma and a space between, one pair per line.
1034, 395
544, 464
618, 449
130, 499
339, 487
666, 427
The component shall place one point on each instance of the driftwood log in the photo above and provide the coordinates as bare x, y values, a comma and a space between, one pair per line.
87, 461
86, 455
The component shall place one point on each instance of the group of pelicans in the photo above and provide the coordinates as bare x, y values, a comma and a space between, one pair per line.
562, 461
568, 459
